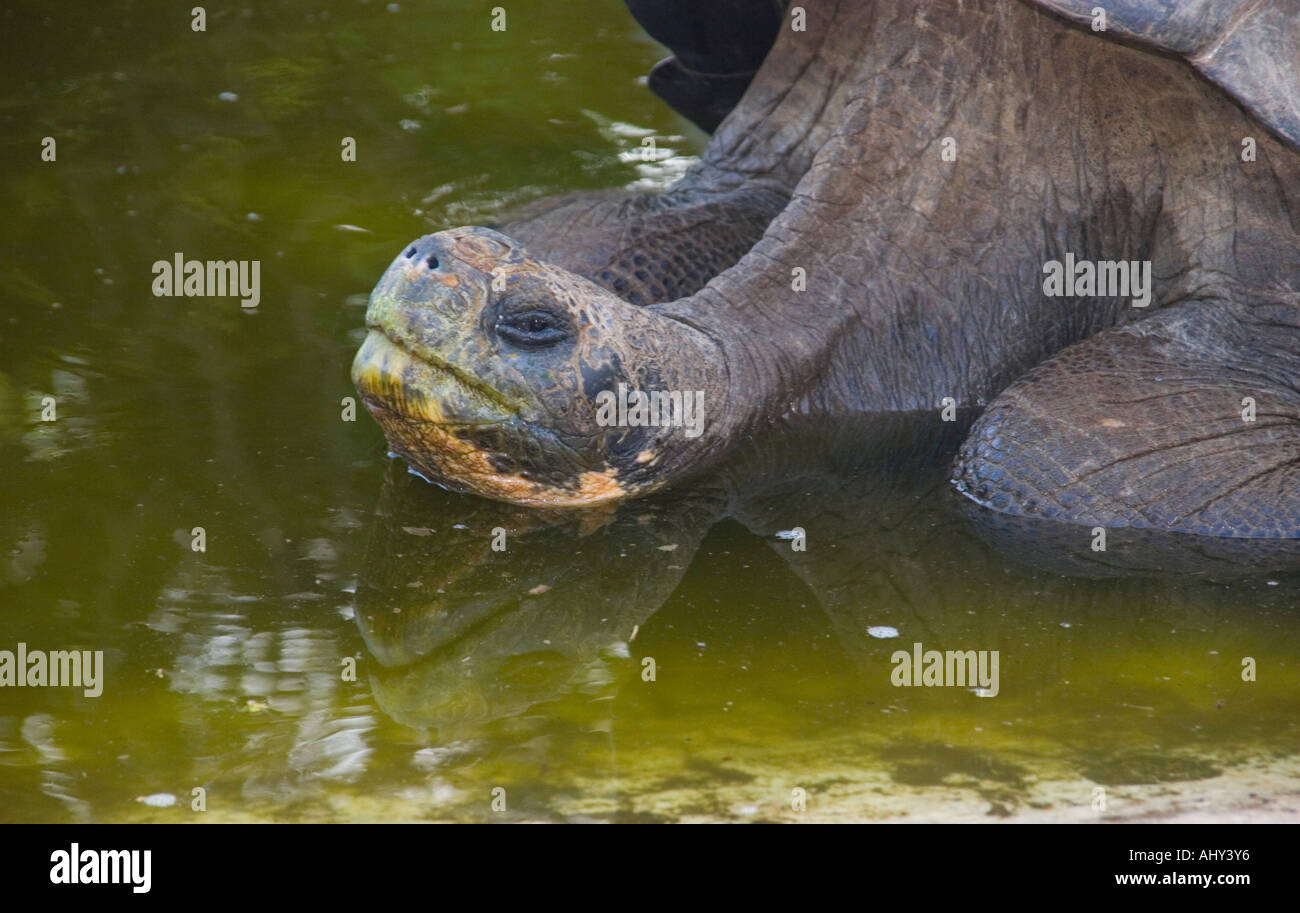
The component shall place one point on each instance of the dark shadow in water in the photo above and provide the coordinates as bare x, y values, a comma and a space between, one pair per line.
1073, 550
469, 634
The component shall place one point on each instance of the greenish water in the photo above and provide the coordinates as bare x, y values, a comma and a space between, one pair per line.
523, 670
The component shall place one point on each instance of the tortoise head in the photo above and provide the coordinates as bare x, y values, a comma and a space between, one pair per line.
495, 373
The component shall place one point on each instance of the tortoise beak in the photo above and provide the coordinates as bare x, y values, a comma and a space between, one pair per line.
420, 389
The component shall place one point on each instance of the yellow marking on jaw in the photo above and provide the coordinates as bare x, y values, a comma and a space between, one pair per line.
599, 486
383, 375
645, 456
460, 461
412, 384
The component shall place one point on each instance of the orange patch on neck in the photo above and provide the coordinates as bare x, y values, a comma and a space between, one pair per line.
461, 462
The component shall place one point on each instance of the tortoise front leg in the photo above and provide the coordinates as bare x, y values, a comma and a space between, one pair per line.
1186, 421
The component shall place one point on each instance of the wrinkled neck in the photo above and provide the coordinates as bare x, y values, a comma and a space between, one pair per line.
906, 268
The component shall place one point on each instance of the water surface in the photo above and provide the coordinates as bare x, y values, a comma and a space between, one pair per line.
521, 670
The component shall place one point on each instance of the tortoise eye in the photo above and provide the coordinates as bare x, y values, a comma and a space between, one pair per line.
533, 329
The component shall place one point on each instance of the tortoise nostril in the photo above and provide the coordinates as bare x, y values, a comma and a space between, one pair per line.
432, 261
410, 253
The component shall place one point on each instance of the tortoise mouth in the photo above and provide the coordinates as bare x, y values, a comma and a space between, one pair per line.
479, 459
422, 389
463, 436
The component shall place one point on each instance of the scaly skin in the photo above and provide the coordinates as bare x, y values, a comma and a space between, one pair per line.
467, 406
923, 281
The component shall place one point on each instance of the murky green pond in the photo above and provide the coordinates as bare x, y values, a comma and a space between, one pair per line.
349, 645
